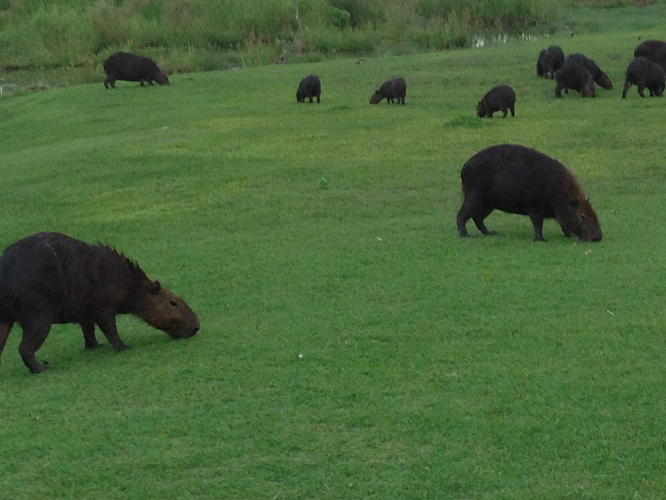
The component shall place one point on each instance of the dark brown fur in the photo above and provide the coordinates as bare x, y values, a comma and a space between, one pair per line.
550, 61
49, 278
309, 87
599, 77
393, 91
649, 48
644, 73
501, 98
575, 77
521, 180
132, 68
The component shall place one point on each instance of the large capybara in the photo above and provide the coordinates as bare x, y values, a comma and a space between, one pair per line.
649, 48
49, 278
132, 68
575, 77
550, 61
393, 90
310, 87
643, 73
521, 180
501, 98
598, 76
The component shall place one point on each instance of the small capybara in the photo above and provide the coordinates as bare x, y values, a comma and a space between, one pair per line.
393, 90
521, 180
310, 87
649, 48
598, 76
132, 68
501, 98
49, 278
575, 77
643, 73
550, 61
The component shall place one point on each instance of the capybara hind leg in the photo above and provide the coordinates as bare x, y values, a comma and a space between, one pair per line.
537, 222
513, 110
627, 84
478, 220
5, 328
88, 329
34, 336
641, 88
108, 326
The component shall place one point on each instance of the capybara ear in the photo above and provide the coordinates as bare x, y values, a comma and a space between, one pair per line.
574, 202
155, 288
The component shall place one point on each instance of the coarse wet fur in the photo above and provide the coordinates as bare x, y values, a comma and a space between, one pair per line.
132, 68
649, 49
309, 88
521, 180
49, 278
550, 61
599, 77
575, 77
393, 90
500, 98
644, 73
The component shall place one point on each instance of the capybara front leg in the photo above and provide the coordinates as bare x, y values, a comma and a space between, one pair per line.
34, 335
88, 329
108, 326
5, 328
537, 222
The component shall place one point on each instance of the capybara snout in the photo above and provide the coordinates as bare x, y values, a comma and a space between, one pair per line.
166, 311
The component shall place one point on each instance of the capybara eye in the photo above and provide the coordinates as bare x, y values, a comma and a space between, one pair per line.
582, 217
173, 303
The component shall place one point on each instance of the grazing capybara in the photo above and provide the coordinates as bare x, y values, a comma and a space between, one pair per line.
501, 98
550, 61
598, 76
643, 73
49, 278
132, 68
392, 90
575, 77
521, 180
310, 87
649, 48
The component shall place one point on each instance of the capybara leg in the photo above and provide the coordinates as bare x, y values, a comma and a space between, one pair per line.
88, 329
513, 110
5, 328
108, 326
504, 112
641, 88
34, 335
537, 222
318, 101
478, 220
627, 84
558, 90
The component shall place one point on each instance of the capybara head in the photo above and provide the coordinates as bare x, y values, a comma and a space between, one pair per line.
376, 97
166, 311
577, 217
481, 109
161, 78
300, 96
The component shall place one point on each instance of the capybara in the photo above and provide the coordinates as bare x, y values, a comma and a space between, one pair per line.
310, 87
49, 278
575, 77
501, 98
550, 61
649, 48
644, 72
598, 76
521, 180
132, 68
392, 90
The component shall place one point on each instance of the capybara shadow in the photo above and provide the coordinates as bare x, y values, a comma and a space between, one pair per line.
644, 73
500, 98
393, 90
575, 77
599, 77
549, 62
132, 68
309, 88
520, 180
49, 278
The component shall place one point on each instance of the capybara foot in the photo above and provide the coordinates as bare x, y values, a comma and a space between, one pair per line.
96, 345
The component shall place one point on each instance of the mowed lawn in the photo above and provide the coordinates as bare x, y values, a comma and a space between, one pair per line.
352, 345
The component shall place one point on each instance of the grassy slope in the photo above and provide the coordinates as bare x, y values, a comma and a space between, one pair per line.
432, 367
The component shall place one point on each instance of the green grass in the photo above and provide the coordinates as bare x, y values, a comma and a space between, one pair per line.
432, 367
